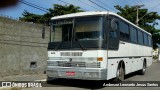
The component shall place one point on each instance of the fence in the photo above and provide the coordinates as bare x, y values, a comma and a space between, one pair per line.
22, 48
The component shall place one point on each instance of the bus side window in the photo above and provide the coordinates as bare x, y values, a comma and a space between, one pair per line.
140, 37
133, 33
124, 31
149, 40
145, 39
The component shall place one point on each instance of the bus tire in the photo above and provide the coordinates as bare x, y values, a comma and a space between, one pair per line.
143, 70
120, 74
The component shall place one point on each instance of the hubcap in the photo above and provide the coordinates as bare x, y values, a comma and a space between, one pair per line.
120, 74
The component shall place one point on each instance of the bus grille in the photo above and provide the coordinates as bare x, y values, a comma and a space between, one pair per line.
71, 53
75, 64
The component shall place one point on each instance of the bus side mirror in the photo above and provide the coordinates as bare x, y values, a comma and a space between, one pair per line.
114, 25
113, 35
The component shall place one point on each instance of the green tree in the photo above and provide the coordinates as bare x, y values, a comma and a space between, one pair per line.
56, 11
148, 21
30, 17
61, 10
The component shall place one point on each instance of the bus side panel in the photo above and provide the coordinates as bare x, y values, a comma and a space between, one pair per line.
112, 68
132, 55
115, 56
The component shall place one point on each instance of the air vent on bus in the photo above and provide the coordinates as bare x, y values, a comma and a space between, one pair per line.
71, 53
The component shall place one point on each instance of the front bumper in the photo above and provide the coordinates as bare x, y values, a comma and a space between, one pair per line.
80, 73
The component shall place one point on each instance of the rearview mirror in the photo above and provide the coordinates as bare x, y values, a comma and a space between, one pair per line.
114, 25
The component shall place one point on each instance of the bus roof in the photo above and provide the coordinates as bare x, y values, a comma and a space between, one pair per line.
91, 13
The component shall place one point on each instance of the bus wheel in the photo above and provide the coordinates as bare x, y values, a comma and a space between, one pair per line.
120, 74
143, 70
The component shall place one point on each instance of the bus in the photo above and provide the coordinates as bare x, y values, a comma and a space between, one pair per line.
96, 46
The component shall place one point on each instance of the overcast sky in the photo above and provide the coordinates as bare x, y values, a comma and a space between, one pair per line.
16, 11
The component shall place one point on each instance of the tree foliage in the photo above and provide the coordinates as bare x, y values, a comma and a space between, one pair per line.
30, 17
147, 20
61, 10
56, 11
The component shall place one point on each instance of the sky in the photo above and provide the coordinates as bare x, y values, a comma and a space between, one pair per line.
16, 11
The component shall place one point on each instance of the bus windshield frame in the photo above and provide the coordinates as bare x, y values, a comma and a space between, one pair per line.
79, 29
83, 28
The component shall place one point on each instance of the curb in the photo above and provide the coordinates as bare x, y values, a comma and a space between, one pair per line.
41, 80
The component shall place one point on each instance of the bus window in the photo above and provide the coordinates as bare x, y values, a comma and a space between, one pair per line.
140, 37
62, 33
149, 41
124, 31
58, 34
133, 33
145, 39
88, 28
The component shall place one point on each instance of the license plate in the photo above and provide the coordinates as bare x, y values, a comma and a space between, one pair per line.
70, 73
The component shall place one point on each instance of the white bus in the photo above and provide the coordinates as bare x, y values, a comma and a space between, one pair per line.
96, 46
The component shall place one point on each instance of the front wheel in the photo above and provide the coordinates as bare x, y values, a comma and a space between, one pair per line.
120, 74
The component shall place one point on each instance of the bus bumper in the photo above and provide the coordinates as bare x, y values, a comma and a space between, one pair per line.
77, 73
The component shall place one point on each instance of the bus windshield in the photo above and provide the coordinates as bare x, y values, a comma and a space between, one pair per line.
86, 28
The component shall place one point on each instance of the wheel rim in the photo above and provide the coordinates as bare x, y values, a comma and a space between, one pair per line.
120, 74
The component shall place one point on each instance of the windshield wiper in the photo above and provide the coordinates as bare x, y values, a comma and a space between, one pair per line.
61, 43
80, 44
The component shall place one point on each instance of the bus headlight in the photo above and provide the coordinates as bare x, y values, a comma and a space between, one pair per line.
91, 74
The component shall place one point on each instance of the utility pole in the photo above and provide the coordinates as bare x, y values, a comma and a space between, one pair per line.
137, 8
